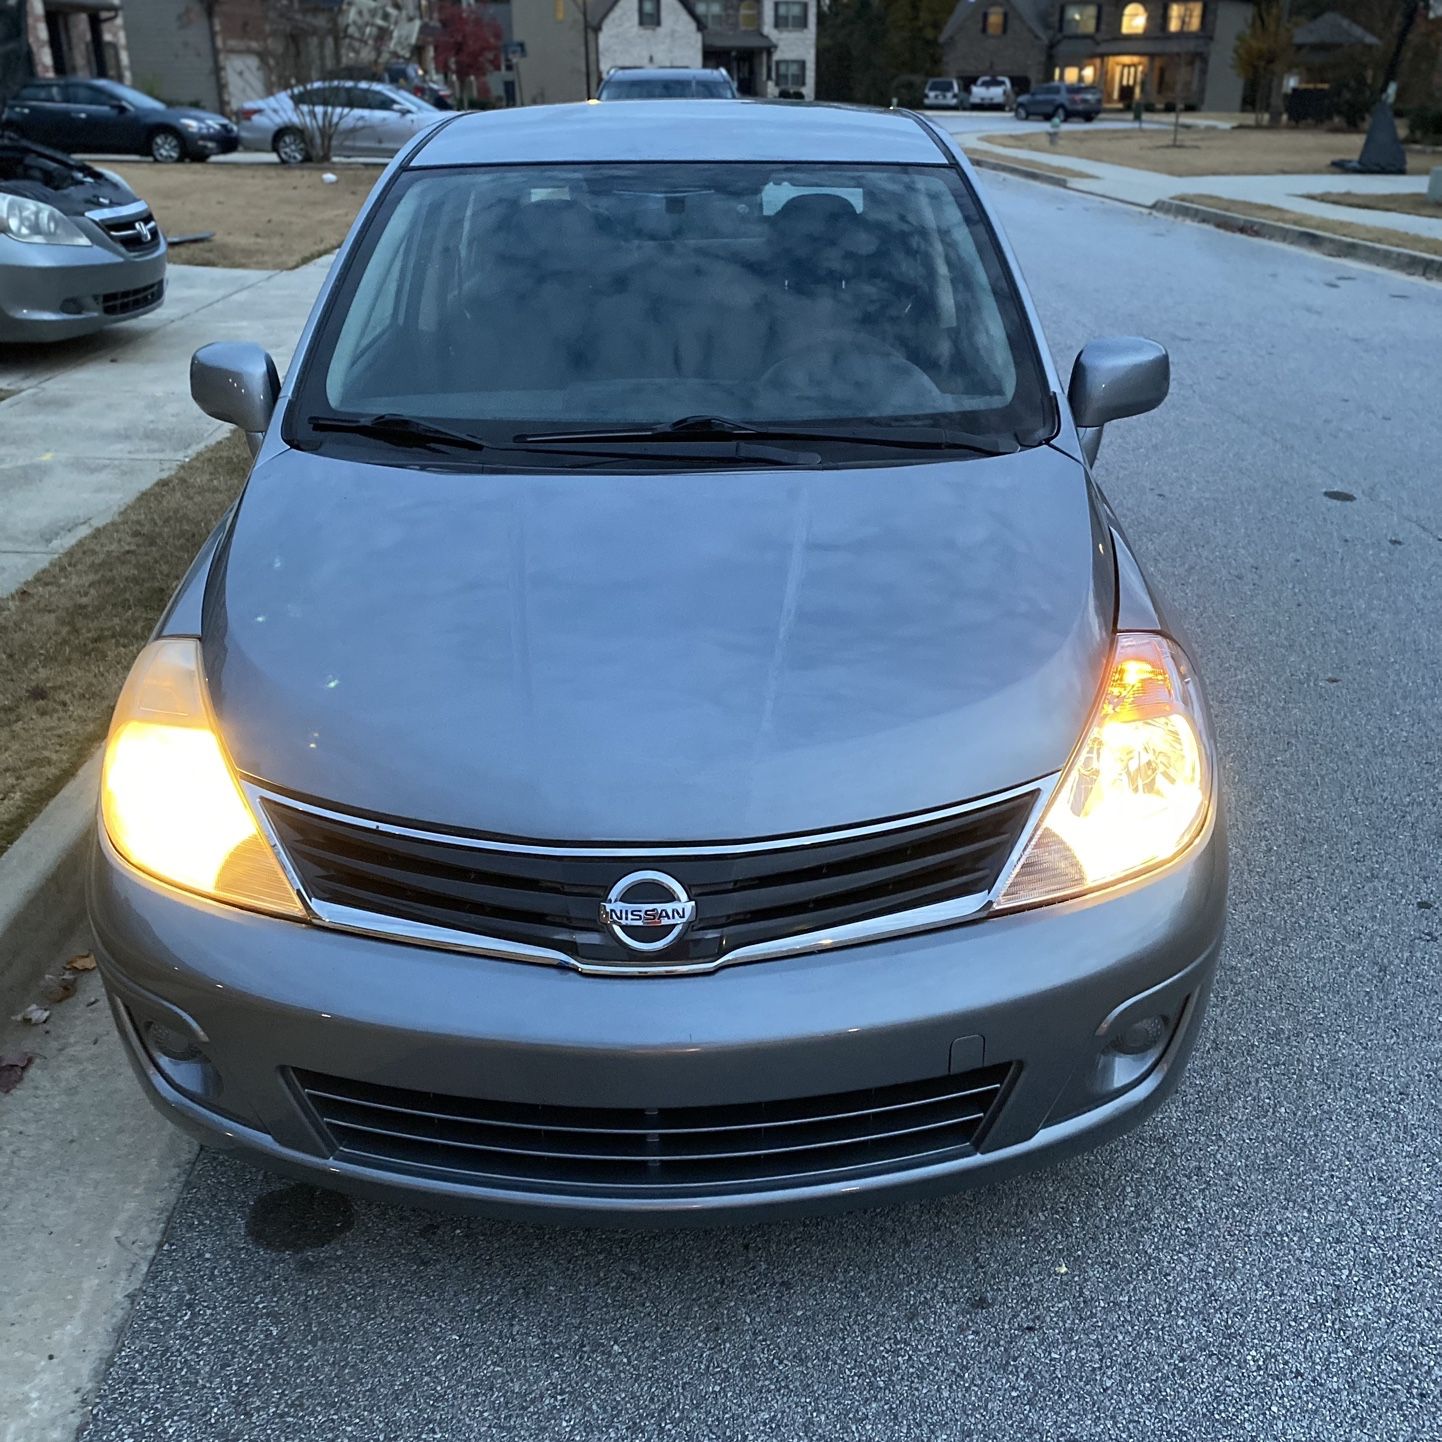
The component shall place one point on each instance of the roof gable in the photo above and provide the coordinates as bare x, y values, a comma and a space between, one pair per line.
1034, 14
598, 10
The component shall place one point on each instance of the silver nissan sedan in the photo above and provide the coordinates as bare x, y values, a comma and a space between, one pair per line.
671, 729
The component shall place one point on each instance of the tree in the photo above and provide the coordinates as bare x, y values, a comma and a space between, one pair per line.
469, 45
1262, 50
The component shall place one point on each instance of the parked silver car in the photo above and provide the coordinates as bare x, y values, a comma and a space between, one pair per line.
361, 117
672, 728
78, 249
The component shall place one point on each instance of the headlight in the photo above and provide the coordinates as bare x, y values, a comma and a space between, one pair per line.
1136, 792
169, 799
193, 125
37, 223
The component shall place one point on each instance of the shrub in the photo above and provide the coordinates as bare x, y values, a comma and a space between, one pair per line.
1424, 124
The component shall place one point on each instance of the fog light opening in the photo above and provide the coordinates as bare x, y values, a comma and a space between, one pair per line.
174, 1045
1140, 1037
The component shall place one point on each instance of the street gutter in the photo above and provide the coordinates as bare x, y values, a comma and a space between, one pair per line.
1339, 247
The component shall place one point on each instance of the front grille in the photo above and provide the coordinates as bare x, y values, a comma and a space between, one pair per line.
743, 898
139, 234
127, 302
663, 1150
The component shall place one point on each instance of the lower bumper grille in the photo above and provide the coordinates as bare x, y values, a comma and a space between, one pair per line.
662, 1151
127, 302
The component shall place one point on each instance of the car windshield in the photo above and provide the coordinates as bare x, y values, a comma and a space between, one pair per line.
508, 299
138, 98
682, 87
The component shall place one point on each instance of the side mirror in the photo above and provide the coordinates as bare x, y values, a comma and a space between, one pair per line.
1113, 378
236, 381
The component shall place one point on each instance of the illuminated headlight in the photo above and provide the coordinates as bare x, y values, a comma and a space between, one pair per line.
36, 223
194, 126
1136, 792
168, 796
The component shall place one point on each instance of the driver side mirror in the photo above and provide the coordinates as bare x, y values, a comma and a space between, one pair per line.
237, 382
1113, 378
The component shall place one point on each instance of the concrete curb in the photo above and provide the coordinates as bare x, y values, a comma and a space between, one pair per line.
42, 885
1340, 247
1024, 172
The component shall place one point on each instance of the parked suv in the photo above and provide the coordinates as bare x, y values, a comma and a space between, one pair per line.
991, 92
942, 94
1070, 102
103, 117
666, 83
671, 729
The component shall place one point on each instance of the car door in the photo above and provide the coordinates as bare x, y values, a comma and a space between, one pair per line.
94, 121
38, 112
384, 121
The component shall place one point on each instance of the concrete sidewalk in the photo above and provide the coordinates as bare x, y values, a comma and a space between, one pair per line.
1290, 192
94, 422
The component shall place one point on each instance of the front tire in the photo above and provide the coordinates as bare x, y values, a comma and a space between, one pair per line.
166, 147
1021, 113
290, 147
1088, 118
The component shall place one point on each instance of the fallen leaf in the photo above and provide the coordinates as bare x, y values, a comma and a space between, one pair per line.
56, 989
34, 1015
1061, 1270
12, 1068
83, 962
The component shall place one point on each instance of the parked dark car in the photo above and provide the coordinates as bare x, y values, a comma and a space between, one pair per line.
1071, 102
103, 117
78, 249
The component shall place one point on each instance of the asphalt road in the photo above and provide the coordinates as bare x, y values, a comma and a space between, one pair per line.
1262, 1259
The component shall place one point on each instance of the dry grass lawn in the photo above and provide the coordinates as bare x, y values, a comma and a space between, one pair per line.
1379, 235
69, 634
265, 217
1248, 151
1404, 203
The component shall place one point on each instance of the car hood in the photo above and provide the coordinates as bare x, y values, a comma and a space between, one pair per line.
71, 186
189, 112
656, 658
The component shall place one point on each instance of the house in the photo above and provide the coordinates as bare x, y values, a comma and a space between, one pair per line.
77, 37
767, 46
1163, 51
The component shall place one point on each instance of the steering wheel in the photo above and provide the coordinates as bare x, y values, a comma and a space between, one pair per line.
853, 362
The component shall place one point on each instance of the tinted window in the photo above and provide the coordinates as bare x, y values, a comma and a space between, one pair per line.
509, 298
48, 94
683, 87
112, 90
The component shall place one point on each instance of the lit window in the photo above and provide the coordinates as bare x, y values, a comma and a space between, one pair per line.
1079, 19
649, 15
1184, 15
1134, 20
993, 21
749, 15
791, 14
1088, 75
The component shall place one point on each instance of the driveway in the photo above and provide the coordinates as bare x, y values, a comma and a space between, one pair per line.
1260, 1261
93, 422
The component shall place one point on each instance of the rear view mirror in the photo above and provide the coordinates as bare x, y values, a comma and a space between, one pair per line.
1113, 378
237, 382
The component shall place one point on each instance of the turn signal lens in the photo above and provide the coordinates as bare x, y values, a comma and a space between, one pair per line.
1136, 794
168, 796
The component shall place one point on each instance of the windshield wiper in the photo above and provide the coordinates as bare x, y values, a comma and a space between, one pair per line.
407, 431
398, 429
714, 428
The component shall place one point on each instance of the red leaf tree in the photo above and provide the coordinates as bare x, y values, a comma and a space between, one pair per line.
469, 45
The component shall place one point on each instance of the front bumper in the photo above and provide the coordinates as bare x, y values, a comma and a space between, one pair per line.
207, 143
52, 292
1044, 993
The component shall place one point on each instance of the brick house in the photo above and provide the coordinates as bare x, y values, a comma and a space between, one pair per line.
77, 37
1160, 50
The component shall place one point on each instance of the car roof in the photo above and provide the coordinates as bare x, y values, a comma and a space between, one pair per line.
680, 130
667, 72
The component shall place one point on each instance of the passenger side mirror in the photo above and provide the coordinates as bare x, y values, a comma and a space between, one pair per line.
236, 381
1113, 378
